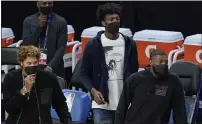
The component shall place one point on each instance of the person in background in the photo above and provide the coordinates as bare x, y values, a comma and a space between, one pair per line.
109, 58
48, 31
149, 95
30, 92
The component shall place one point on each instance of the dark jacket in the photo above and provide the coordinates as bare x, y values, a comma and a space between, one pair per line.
57, 39
27, 111
151, 100
95, 73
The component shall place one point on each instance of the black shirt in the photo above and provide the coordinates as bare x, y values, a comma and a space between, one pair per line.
151, 100
30, 106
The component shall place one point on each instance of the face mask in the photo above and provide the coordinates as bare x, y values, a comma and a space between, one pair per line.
161, 70
45, 10
31, 70
113, 27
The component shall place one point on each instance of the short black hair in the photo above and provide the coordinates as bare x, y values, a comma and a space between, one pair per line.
156, 52
108, 8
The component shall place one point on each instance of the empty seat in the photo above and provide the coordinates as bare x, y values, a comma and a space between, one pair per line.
189, 74
9, 56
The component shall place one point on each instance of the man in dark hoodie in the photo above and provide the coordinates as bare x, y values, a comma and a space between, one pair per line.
109, 58
48, 31
149, 95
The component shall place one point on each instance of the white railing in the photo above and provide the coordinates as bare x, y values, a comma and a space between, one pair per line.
74, 59
67, 58
179, 52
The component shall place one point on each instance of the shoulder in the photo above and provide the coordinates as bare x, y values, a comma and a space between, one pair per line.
175, 81
90, 45
129, 40
14, 73
140, 74
12, 76
173, 76
47, 75
133, 43
60, 18
49, 79
30, 17
136, 78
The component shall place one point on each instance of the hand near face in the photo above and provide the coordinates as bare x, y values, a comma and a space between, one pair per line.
29, 81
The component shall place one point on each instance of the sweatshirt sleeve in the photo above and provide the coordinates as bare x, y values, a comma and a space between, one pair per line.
12, 98
134, 53
125, 100
178, 103
87, 68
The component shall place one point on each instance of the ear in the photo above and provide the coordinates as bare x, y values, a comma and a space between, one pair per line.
103, 23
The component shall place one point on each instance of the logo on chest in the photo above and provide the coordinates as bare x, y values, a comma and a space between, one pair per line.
161, 90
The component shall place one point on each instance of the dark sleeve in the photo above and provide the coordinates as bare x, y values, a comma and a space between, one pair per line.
59, 103
12, 98
178, 103
30, 37
87, 67
134, 54
61, 45
124, 101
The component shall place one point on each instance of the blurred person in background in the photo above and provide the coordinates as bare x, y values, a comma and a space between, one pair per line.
107, 61
30, 92
149, 95
48, 31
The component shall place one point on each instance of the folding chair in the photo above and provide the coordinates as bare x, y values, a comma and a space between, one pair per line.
189, 74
